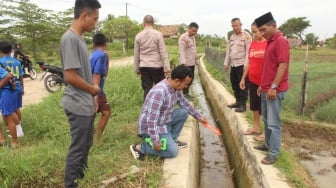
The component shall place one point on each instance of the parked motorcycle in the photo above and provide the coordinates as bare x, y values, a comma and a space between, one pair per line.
27, 67
53, 81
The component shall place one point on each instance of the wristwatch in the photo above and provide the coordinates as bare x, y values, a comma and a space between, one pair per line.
274, 86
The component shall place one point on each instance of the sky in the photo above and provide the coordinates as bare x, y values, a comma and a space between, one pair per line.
214, 16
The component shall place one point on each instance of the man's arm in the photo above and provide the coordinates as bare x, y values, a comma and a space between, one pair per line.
5, 80
155, 106
96, 81
182, 46
74, 79
227, 56
282, 68
242, 81
21, 82
247, 46
136, 56
164, 55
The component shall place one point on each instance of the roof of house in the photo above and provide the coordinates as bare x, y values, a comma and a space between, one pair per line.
169, 30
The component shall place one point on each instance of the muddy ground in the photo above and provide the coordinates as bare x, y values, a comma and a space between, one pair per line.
314, 144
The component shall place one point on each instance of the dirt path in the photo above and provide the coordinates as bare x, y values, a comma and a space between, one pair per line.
35, 91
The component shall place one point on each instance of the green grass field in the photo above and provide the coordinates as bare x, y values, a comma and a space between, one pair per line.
40, 161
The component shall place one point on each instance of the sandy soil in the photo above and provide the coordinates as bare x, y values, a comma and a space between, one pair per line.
34, 91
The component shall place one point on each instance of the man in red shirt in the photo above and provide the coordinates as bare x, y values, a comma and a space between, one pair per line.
274, 85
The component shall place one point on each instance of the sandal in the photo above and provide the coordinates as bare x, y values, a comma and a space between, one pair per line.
260, 138
269, 159
250, 131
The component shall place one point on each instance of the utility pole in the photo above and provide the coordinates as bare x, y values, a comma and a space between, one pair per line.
126, 30
126, 9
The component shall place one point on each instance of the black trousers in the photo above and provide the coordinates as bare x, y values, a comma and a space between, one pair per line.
186, 90
81, 130
235, 76
149, 77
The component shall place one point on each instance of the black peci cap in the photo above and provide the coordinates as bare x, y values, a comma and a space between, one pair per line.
264, 19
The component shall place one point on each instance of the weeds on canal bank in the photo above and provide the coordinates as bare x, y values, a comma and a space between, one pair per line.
40, 160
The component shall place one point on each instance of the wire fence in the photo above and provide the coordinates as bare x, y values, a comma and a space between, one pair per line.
319, 100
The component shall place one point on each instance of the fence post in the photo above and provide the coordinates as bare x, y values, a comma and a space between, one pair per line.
304, 85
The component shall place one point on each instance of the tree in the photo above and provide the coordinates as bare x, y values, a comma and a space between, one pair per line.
295, 27
120, 28
212, 41
331, 42
311, 39
32, 26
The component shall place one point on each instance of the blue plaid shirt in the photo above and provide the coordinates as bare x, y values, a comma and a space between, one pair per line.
158, 108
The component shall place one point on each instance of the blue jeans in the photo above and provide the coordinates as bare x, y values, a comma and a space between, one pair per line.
174, 128
271, 110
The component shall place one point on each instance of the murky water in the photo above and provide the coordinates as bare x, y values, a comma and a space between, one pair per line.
215, 170
322, 167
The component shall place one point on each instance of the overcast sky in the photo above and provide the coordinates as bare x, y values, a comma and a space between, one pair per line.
214, 16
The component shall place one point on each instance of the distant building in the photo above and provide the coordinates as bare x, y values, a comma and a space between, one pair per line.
294, 42
169, 31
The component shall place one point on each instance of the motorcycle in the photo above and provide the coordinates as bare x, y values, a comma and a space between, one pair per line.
53, 81
27, 67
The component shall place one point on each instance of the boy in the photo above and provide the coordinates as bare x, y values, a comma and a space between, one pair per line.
11, 91
99, 65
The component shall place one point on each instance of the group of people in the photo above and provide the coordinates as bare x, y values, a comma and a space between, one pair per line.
84, 96
166, 99
260, 67
160, 118
11, 92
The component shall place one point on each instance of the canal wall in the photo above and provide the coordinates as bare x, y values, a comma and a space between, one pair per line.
183, 171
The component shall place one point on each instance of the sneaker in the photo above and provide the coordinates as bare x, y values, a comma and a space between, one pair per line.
136, 153
181, 144
234, 105
19, 131
241, 108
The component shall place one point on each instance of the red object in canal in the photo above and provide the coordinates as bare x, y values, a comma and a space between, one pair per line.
213, 129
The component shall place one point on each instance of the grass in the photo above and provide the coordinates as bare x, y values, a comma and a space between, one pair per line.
41, 159
322, 78
286, 164
321, 82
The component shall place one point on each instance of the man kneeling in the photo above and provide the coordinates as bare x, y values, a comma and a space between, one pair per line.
160, 123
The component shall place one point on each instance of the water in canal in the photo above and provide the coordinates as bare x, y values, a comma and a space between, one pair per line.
215, 170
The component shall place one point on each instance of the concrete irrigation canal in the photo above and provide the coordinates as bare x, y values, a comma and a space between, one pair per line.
221, 161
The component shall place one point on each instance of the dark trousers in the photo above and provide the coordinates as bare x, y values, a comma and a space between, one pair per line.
81, 130
186, 90
149, 77
235, 76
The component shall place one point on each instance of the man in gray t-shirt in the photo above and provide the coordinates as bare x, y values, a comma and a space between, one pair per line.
78, 96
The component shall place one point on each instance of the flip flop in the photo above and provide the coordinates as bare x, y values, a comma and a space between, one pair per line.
259, 138
249, 131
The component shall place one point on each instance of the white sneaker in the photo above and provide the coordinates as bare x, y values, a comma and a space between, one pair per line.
19, 131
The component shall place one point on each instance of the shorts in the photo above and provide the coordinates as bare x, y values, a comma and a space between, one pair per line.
8, 102
103, 105
255, 100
